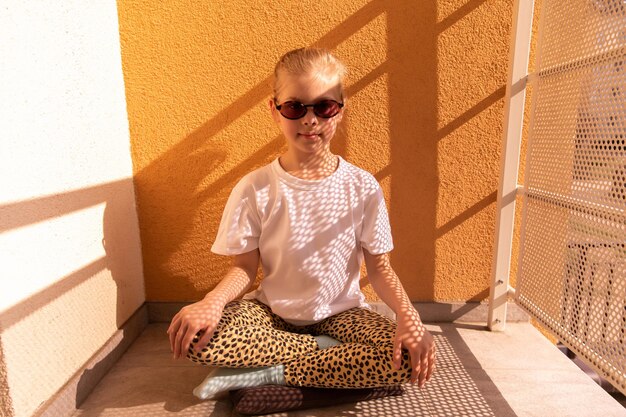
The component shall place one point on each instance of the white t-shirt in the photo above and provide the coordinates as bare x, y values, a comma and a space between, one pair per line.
309, 234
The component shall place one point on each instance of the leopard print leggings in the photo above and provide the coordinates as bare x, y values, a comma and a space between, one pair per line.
249, 335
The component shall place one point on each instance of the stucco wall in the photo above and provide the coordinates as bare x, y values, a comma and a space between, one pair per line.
424, 115
69, 242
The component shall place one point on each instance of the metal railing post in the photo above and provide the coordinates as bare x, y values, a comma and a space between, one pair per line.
507, 189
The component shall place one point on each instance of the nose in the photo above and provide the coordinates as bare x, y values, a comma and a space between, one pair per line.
309, 118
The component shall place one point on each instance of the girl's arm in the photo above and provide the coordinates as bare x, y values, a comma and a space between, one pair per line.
411, 333
205, 314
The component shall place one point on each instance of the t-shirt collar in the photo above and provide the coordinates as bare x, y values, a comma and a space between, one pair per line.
302, 183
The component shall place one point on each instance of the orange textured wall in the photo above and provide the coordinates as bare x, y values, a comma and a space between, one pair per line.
426, 88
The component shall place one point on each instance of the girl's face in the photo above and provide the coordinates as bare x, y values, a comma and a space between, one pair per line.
310, 134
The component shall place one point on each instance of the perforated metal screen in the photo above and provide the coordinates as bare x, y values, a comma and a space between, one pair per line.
573, 262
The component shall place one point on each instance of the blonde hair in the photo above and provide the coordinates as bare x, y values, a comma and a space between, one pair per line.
316, 62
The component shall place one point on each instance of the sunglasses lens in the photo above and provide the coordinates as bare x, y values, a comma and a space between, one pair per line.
326, 109
292, 109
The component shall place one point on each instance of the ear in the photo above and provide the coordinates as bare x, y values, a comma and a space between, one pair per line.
273, 111
339, 116
344, 100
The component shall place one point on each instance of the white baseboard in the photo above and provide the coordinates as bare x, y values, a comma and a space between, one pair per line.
470, 312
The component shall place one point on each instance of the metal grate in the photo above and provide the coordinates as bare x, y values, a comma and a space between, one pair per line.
573, 260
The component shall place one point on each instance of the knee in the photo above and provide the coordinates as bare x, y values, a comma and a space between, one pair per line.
395, 375
402, 374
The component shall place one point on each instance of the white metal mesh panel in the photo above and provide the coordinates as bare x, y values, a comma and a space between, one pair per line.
580, 29
572, 273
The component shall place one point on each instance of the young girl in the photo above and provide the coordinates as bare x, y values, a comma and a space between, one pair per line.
310, 218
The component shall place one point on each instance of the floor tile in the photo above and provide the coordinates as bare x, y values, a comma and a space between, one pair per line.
411, 403
152, 349
519, 346
555, 393
151, 391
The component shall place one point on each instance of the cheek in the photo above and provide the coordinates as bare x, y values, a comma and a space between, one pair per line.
330, 127
288, 127
275, 115
338, 118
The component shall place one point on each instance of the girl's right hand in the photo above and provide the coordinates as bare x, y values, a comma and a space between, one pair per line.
206, 313
204, 316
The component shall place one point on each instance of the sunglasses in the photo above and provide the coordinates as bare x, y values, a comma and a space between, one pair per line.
295, 110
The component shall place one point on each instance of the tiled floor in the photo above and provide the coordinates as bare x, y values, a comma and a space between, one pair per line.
480, 373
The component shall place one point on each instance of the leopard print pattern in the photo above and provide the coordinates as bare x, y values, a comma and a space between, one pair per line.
363, 360
250, 335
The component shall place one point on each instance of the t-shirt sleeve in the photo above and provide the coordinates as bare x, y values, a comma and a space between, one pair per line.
376, 231
240, 226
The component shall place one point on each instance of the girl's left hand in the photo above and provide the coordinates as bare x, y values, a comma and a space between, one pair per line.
413, 336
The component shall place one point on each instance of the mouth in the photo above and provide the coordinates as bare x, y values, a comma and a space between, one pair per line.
310, 135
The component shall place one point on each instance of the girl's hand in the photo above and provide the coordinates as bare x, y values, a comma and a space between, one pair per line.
203, 315
412, 335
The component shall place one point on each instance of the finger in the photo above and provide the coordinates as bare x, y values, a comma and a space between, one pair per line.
397, 354
173, 324
431, 363
171, 331
204, 340
178, 341
415, 367
186, 342
415, 373
172, 337
423, 370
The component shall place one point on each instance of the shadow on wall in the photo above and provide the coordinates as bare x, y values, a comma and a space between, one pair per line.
117, 242
121, 258
179, 215
176, 219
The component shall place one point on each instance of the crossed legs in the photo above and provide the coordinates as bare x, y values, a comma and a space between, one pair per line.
251, 336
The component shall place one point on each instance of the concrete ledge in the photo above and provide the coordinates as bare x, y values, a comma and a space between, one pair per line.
472, 312
77, 389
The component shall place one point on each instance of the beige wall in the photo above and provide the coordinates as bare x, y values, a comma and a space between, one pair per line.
69, 242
